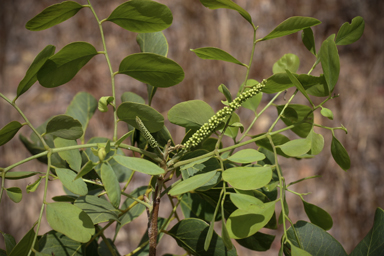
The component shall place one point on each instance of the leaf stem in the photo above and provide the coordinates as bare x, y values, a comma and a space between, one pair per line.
110, 70
251, 59
282, 111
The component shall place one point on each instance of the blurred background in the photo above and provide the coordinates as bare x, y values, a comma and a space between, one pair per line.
350, 197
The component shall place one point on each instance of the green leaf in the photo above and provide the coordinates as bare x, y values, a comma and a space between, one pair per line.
227, 4
330, 62
53, 15
212, 53
111, 184
9, 242
142, 16
24, 245
258, 242
278, 139
30, 77
85, 169
139, 165
152, 69
19, 175
350, 33
314, 240
98, 209
317, 143
132, 97
296, 251
9, 131
67, 177
64, 65
248, 178
243, 201
320, 89
225, 235
122, 138
244, 223
291, 25
191, 183
104, 250
340, 154
14, 193
65, 127
298, 85
289, 61
128, 111
318, 216
190, 234
70, 220
193, 205
372, 244
65, 198
327, 113
295, 113
246, 156
224, 90
154, 42
309, 40
134, 212
72, 157
296, 147
55, 243
232, 131
82, 108
104, 102
190, 114
253, 102
32, 187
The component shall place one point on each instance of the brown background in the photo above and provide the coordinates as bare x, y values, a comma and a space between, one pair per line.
350, 197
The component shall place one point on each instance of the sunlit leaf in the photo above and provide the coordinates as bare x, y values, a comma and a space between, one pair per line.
14, 193
246, 156
139, 165
248, 178
289, 61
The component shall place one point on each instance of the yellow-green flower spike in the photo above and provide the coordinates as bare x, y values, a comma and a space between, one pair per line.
207, 128
147, 135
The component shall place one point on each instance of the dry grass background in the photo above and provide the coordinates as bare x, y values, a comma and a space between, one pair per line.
350, 197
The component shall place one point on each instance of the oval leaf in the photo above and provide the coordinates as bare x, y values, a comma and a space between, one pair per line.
350, 33
291, 25
64, 65
71, 221
72, 157
65, 127
152, 69
340, 154
296, 147
142, 16
53, 15
190, 234
318, 216
326, 112
243, 201
228, 4
212, 53
67, 177
246, 156
330, 62
15, 194
128, 111
139, 165
82, 108
191, 184
153, 42
30, 77
248, 178
289, 61
19, 175
309, 40
190, 114
98, 209
317, 143
9, 131
111, 184
244, 223
314, 240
